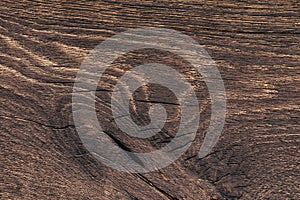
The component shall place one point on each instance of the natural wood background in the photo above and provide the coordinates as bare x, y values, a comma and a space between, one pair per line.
256, 47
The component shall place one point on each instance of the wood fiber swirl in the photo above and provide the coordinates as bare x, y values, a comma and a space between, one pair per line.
256, 47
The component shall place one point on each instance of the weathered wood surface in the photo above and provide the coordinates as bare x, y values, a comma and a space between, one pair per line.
256, 47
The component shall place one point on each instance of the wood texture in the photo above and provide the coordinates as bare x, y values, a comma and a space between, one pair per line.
256, 47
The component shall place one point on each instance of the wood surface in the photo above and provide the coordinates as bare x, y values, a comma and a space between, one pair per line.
256, 47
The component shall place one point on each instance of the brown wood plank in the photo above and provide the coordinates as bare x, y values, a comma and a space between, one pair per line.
256, 47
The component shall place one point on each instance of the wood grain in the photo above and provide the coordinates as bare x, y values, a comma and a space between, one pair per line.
256, 47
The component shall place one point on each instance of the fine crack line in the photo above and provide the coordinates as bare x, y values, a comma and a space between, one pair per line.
166, 194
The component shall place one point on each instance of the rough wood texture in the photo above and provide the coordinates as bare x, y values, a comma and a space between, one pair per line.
256, 47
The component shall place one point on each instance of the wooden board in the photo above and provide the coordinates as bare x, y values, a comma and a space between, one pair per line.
256, 47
